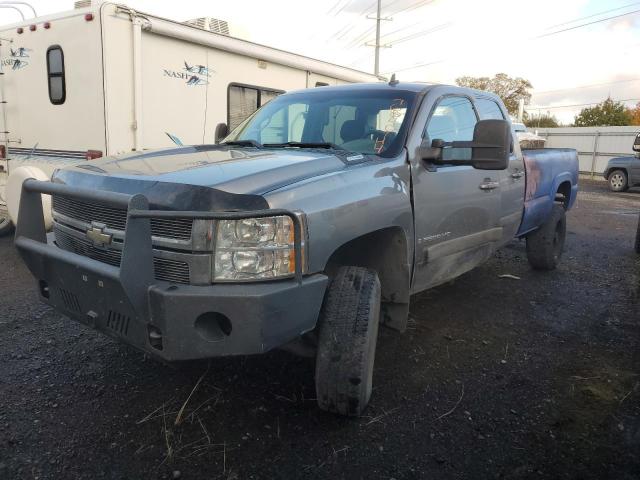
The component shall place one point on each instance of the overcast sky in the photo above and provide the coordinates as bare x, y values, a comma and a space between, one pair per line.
439, 40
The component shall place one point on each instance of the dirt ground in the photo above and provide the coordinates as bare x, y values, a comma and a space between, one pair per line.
536, 377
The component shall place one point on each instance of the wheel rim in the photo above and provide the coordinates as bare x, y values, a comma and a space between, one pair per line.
617, 181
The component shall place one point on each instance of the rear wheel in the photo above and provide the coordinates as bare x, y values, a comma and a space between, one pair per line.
545, 245
618, 181
347, 336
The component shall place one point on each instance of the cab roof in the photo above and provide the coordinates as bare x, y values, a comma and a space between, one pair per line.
416, 87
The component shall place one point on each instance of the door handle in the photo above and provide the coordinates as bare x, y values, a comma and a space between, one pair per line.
517, 174
489, 185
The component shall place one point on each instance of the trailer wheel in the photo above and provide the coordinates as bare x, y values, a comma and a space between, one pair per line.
545, 245
618, 181
347, 336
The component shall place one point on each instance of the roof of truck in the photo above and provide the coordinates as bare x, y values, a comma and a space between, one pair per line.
405, 86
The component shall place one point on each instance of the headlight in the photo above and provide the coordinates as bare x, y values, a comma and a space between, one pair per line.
254, 249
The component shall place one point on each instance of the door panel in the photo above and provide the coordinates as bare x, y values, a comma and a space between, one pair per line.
456, 207
512, 180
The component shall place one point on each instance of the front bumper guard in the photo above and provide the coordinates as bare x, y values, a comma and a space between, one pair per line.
130, 304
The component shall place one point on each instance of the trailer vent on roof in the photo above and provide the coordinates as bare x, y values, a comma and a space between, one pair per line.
82, 4
211, 24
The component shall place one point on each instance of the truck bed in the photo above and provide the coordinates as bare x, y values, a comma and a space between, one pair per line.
550, 172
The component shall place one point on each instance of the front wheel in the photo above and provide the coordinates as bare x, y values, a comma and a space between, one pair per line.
545, 245
347, 337
618, 181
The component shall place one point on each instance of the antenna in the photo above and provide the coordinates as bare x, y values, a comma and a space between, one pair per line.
393, 80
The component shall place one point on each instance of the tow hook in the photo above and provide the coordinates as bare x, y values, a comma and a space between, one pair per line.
155, 337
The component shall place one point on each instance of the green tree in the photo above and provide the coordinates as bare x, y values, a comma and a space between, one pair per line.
509, 89
542, 120
605, 114
634, 113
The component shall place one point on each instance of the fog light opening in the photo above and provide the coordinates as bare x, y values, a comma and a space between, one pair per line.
155, 337
44, 288
213, 326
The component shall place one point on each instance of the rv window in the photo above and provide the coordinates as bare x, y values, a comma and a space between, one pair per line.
267, 95
246, 99
55, 75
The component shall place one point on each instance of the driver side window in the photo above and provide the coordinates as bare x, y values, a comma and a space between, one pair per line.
453, 120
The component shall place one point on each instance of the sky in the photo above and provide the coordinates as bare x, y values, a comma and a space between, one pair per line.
440, 40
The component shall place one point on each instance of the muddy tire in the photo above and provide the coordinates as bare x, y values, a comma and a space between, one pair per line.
618, 181
347, 336
545, 245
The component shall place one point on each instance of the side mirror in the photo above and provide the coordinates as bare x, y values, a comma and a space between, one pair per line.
491, 145
636, 144
490, 148
222, 130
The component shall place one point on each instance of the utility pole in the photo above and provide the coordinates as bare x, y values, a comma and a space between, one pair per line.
376, 68
378, 18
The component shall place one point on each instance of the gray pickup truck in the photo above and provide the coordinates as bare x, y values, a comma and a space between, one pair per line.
310, 224
624, 172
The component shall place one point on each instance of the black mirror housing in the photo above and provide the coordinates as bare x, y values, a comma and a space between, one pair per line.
222, 130
491, 147
492, 139
636, 144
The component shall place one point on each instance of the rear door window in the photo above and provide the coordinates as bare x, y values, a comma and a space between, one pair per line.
488, 109
55, 75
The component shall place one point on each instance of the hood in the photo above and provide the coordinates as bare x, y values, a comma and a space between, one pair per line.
230, 169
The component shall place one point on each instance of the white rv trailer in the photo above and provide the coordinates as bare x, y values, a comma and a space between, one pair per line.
104, 79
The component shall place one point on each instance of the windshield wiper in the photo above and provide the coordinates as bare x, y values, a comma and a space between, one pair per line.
243, 143
332, 146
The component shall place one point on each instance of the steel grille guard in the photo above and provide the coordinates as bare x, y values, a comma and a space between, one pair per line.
136, 273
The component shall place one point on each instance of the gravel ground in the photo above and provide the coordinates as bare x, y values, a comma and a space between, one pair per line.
496, 378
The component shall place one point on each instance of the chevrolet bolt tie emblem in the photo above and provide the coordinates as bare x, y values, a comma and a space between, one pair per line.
97, 236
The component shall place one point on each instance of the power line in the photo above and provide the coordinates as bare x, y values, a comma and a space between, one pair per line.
333, 7
413, 7
360, 38
586, 86
591, 16
363, 12
581, 104
342, 8
401, 29
411, 67
421, 34
587, 24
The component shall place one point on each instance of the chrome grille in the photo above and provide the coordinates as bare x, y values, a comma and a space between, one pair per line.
116, 218
165, 269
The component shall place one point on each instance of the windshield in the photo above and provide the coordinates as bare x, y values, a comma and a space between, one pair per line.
363, 121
